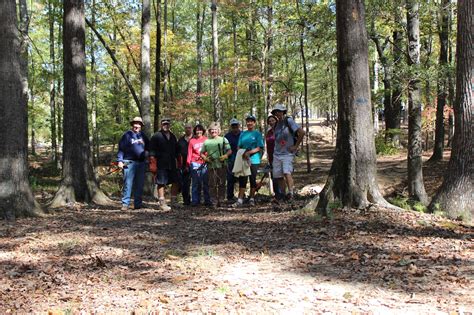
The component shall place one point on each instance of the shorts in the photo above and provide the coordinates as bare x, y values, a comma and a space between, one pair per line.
282, 165
166, 177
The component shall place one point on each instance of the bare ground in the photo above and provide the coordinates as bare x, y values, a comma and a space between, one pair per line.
266, 259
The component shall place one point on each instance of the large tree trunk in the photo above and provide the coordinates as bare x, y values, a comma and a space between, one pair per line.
442, 80
200, 14
16, 197
157, 113
393, 120
145, 69
95, 130
215, 65
455, 196
352, 178
78, 183
416, 187
235, 94
165, 54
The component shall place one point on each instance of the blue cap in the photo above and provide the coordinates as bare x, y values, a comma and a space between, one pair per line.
251, 117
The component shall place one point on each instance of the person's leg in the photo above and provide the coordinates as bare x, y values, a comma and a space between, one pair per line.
128, 175
230, 181
195, 183
205, 185
138, 184
277, 173
253, 182
242, 185
162, 180
287, 171
221, 172
185, 191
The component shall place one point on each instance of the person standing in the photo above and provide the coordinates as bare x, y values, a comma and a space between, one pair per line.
216, 151
198, 168
233, 137
270, 142
285, 149
164, 148
183, 170
251, 141
131, 158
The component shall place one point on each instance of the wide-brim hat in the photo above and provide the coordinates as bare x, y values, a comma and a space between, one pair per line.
214, 125
136, 120
278, 108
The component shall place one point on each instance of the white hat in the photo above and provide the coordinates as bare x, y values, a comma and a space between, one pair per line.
278, 108
136, 120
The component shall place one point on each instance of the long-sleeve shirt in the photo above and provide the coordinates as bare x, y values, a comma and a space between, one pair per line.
194, 150
132, 146
165, 150
183, 144
233, 141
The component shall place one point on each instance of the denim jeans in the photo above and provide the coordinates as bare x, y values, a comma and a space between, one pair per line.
231, 180
200, 181
133, 176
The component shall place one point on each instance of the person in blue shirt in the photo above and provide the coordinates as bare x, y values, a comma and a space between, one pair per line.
131, 158
233, 137
252, 141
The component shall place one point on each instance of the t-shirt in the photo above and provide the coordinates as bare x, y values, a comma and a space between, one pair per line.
284, 136
215, 148
194, 150
250, 140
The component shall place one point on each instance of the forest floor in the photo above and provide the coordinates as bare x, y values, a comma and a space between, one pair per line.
264, 259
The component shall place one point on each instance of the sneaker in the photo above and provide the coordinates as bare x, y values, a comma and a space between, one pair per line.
176, 205
251, 202
124, 208
237, 204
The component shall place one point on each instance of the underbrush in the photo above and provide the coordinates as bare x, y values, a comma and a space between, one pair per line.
408, 204
383, 144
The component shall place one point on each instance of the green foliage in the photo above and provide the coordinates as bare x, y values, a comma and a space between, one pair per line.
407, 204
384, 146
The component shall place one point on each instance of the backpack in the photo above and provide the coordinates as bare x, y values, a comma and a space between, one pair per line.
292, 132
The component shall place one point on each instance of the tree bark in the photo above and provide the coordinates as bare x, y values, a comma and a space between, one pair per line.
352, 178
16, 197
165, 53
145, 69
416, 187
442, 80
157, 113
215, 65
455, 196
236, 67
52, 84
78, 183
199, 51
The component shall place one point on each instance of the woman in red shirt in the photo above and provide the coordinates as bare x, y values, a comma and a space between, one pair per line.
270, 142
197, 167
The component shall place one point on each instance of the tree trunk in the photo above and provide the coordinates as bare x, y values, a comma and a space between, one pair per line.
157, 113
16, 197
393, 120
215, 65
352, 178
95, 131
236, 67
455, 196
442, 81
165, 54
78, 183
416, 187
145, 69
52, 84
199, 51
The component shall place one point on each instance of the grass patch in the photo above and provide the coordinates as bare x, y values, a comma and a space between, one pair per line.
408, 204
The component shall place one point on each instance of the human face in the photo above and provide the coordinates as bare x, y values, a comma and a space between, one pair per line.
213, 132
188, 131
235, 128
272, 122
136, 127
250, 124
199, 133
165, 126
279, 114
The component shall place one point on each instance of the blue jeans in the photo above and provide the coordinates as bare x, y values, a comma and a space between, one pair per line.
231, 180
200, 181
133, 176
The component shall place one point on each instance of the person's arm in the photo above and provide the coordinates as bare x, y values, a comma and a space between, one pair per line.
190, 152
299, 133
121, 148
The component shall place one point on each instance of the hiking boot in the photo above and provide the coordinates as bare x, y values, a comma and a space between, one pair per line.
251, 202
237, 204
124, 208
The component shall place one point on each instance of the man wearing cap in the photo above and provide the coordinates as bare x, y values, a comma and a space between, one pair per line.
183, 169
285, 149
233, 137
164, 148
131, 156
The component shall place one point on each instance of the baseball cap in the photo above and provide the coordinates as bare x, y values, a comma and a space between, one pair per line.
278, 108
251, 117
234, 121
166, 120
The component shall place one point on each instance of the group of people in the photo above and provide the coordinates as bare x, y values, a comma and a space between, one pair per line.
205, 166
